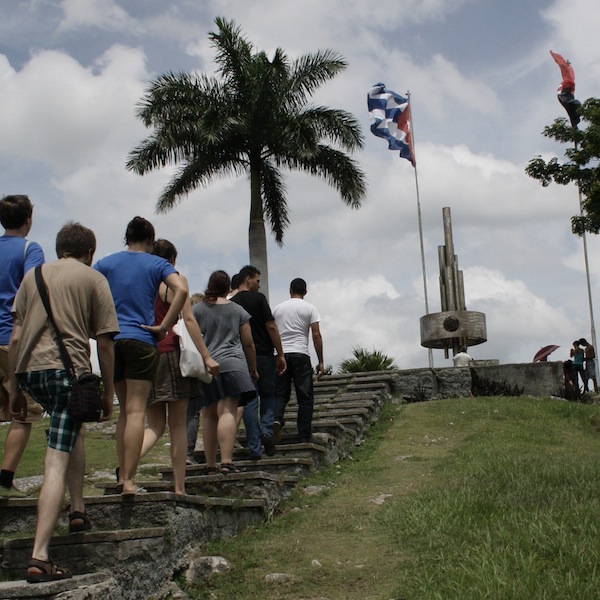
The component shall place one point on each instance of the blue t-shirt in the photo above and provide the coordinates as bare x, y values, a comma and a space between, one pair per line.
134, 278
16, 260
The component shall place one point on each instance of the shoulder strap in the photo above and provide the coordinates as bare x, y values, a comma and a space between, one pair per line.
64, 354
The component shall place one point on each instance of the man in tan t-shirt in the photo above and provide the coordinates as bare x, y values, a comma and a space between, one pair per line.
83, 308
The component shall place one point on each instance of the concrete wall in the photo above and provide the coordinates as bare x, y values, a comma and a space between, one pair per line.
536, 379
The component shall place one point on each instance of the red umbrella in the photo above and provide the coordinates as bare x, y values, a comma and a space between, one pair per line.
543, 353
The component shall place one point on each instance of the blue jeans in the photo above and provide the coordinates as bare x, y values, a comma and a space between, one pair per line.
265, 386
299, 370
193, 422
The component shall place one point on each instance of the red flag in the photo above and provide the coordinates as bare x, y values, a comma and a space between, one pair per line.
566, 70
566, 89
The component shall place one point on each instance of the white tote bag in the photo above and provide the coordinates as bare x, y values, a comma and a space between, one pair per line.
190, 360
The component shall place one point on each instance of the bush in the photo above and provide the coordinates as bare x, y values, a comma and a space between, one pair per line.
365, 360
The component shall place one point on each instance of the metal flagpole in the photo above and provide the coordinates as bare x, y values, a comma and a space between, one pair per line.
412, 133
587, 268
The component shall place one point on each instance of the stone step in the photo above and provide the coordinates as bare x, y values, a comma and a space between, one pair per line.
288, 465
85, 552
112, 512
99, 585
317, 452
127, 552
333, 413
273, 488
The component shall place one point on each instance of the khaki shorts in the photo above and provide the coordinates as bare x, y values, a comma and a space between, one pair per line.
34, 410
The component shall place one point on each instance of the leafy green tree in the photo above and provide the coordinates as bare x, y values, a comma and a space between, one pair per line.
252, 118
582, 166
365, 360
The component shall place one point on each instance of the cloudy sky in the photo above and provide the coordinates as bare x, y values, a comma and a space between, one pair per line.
482, 84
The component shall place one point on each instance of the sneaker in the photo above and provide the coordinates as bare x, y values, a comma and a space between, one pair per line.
11, 492
190, 460
277, 427
269, 444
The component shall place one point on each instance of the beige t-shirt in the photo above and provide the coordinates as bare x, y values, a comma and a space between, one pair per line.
82, 306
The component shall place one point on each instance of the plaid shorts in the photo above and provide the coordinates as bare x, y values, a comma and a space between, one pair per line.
52, 389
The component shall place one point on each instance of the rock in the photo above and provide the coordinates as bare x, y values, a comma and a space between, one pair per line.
313, 490
315, 563
204, 567
278, 578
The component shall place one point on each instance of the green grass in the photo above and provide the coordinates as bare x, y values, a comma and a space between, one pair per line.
482, 498
455, 499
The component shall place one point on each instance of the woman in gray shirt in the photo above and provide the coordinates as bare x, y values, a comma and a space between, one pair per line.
226, 330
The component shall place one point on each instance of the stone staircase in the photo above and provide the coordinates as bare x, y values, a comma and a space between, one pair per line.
139, 543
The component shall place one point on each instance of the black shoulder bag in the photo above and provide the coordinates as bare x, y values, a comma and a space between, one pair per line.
86, 399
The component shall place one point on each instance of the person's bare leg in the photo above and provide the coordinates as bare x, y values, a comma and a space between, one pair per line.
157, 419
227, 427
14, 446
50, 500
133, 434
178, 430
75, 474
210, 421
121, 392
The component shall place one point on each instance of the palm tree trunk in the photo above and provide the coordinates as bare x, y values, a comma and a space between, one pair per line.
257, 238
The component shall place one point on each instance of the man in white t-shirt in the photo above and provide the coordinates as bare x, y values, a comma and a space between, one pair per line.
461, 358
295, 318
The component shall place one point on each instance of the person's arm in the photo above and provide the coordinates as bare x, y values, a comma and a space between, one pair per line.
249, 349
318, 344
106, 358
212, 366
273, 332
178, 285
18, 404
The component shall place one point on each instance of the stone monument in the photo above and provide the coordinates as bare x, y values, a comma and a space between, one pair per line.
455, 327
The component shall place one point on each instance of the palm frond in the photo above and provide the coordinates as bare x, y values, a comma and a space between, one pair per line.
273, 192
336, 168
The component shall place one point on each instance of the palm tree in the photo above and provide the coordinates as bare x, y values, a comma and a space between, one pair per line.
365, 360
252, 118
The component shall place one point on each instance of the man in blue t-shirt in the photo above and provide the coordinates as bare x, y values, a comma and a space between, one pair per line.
17, 256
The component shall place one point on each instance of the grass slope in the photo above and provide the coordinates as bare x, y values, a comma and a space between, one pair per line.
453, 499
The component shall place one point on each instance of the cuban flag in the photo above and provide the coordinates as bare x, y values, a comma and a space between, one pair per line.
390, 114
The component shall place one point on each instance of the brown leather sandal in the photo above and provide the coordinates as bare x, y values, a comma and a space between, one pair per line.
49, 571
85, 524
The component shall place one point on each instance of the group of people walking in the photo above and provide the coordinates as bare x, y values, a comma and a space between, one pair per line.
129, 302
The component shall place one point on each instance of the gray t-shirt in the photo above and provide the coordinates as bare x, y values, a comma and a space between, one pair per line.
220, 325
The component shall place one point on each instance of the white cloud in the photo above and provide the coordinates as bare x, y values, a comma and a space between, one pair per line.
103, 14
65, 114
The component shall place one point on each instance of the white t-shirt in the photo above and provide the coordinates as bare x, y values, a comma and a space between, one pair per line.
294, 318
462, 359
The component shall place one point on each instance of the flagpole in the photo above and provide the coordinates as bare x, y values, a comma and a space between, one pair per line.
587, 267
412, 133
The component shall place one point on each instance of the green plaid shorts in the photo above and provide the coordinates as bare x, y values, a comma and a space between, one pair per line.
52, 389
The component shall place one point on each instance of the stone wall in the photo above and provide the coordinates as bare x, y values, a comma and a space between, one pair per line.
536, 379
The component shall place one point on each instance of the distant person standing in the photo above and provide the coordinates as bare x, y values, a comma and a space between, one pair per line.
461, 358
589, 355
266, 339
295, 319
578, 357
17, 256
